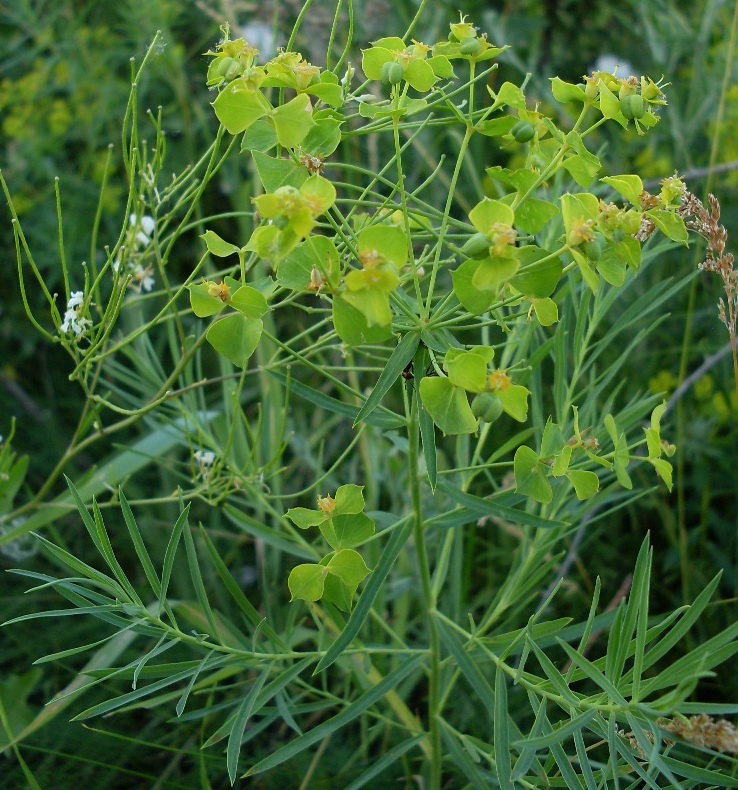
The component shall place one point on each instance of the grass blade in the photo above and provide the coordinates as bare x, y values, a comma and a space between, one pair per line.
394, 546
351, 712
239, 725
502, 733
399, 359
139, 546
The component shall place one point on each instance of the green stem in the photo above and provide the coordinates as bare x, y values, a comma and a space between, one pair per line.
446, 212
434, 684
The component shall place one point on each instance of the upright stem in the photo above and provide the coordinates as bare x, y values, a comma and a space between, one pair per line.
429, 601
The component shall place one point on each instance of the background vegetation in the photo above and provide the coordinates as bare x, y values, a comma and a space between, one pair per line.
64, 82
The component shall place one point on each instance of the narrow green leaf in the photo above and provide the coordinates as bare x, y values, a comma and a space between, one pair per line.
463, 758
336, 723
502, 733
594, 674
428, 439
488, 507
584, 761
386, 419
133, 696
239, 725
139, 545
394, 546
377, 767
552, 673
560, 733
194, 566
471, 672
398, 361
169, 553
698, 774
182, 701
110, 558
83, 569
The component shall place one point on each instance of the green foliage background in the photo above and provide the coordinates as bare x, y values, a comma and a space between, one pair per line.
64, 81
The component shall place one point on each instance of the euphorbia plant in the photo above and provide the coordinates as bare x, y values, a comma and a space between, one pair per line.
468, 341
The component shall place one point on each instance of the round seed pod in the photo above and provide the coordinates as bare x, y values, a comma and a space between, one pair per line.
470, 46
476, 246
523, 131
486, 407
394, 73
224, 66
384, 72
633, 106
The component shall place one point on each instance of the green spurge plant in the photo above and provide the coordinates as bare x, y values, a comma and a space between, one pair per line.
460, 368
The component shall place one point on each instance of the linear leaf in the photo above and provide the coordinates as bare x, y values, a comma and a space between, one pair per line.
202, 597
474, 677
461, 758
241, 600
169, 553
428, 438
584, 765
351, 712
637, 605
558, 734
384, 762
239, 725
488, 507
82, 568
690, 617
133, 696
398, 361
553, 674
270, 536
139, 545
594, 674
502, 733
694, 772
382, 418
361, 611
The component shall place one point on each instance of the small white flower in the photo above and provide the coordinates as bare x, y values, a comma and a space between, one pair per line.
143, 279
205, 457
75, 300
347, 77
205, 460
147, 225
72, 321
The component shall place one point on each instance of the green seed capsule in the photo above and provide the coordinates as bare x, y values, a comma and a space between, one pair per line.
233, 72
486, 407
633, 106
384, 72
593, 248
395, 72
470, 46
523, 131
224, 66
282, 222
476, 246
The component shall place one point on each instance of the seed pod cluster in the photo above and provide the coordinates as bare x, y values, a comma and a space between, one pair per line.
391, 73
523, 131
486, 406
